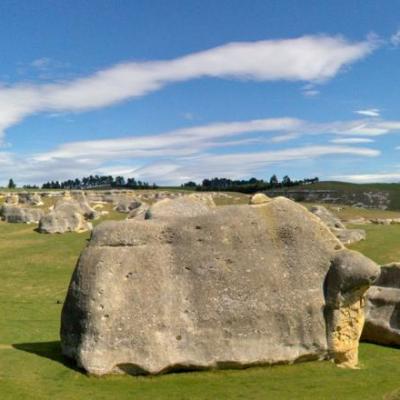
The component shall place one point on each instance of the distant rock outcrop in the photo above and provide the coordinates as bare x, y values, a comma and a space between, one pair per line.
30, 199
346, 236
127, 205
16, 214
226, 287
68, 216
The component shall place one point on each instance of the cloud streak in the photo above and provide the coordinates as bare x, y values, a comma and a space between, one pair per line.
192, 153
308, 58
370, 112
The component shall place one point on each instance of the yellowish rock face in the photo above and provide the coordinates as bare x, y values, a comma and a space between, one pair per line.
346, 334
259, 198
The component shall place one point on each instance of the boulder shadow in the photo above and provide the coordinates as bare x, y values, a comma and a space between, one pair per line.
49, 350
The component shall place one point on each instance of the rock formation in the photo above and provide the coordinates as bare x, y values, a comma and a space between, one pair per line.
228, 287
67, 216
346, 236
12, 199
30, 199
127, 205
15, 214
185, 206
382, 311
259, 198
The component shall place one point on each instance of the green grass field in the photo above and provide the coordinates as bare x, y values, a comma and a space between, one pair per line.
34, 272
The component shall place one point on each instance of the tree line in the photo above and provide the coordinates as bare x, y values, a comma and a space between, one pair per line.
99, 182
247, 186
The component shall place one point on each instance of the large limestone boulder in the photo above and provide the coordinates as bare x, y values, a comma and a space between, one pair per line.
67, 216
382, 316
346, 236
233, 287
25, 215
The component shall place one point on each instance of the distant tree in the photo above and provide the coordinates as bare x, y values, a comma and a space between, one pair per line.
286, 181
189, 184
11, 184
274, 181
119, 181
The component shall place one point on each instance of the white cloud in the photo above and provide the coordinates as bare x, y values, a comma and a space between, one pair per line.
395, 39
180, 155
41, 63
369, 178
307, 58
239, 165
370, 112
180, 142
352, 140
311, 93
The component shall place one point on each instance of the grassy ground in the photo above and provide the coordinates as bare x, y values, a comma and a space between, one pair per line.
34, 273
382, 244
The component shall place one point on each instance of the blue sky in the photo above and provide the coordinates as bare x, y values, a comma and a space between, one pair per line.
170, 91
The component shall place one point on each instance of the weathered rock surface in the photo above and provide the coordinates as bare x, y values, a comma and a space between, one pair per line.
67, 216
186, 206
259, 198
15, 214
139, 212
30, 199
12, 199
329, 219
232, 287
126, 205
382, 316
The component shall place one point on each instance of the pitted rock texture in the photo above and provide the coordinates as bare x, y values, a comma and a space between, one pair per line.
186, 206
232, 287
382, 316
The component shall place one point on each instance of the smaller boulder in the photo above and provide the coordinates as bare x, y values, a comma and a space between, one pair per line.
30, 199
382, 308
330, 220
62, 222
24, 215
12, 199
349, 236
127, 205
259, 198
68, 216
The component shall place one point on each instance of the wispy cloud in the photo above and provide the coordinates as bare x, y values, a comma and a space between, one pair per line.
395, 39
190, 153
369, 112
307, 58
369, 178
351, 140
